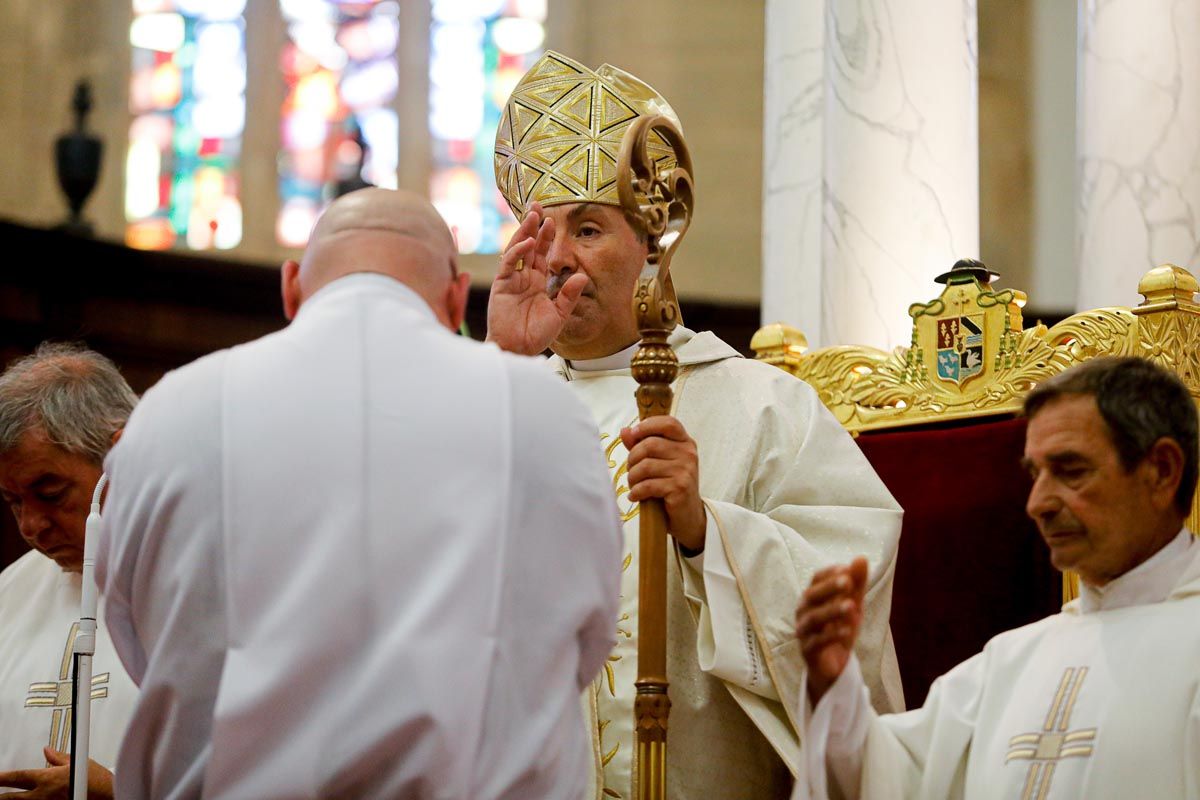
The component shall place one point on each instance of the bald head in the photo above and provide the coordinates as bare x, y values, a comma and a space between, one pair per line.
398, 234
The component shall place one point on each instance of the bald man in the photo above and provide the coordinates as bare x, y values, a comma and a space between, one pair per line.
330, 563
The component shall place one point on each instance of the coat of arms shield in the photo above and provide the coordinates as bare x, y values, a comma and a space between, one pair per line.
959, 348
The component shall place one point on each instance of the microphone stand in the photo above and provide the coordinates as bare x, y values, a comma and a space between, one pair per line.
82, 652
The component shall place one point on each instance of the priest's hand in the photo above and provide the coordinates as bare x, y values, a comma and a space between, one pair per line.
53, 782
522, 315
827, 622
664, 463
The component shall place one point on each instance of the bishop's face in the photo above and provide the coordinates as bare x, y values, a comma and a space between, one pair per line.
595, 239
49, 492
1098, 518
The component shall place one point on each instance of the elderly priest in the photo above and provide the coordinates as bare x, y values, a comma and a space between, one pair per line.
60, 411
1100, 701
761, 485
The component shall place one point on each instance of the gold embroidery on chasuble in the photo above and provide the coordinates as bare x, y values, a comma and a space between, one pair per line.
56, 695
1055, 741
614, 688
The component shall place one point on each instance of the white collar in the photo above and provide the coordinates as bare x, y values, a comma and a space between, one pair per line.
1148, 582
616, 361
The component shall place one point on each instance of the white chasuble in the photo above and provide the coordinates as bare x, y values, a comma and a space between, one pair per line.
786, 492
1101, 701
39, 609
360, 558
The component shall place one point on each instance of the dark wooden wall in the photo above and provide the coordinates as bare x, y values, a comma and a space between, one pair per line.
151, 311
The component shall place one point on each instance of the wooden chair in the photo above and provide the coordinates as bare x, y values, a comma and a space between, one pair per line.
939, 420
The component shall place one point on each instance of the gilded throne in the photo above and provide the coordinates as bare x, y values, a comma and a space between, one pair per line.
939, 420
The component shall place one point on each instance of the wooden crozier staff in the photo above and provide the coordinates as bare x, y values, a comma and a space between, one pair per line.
662, 200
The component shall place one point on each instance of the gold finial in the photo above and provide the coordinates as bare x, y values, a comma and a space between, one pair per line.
777, 342
662, 198
779, 336
1167, 287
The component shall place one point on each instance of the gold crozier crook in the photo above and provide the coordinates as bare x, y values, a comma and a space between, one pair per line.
662, 200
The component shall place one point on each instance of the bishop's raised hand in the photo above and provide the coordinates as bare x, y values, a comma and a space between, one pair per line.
522, 316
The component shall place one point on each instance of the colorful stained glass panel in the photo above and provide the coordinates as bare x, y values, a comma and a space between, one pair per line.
479, 49
337, 128
187, 94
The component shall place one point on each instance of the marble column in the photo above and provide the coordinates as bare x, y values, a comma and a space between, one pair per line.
870, 161
793, 144
1138, 144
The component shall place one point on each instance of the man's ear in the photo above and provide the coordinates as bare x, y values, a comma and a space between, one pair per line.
1164, 464
116, 437
457, 293
289, 288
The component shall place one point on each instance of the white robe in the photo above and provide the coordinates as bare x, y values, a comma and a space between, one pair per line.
361, 557
1101, 701
787, 492
39, 615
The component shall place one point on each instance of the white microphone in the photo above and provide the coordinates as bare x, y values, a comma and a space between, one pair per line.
84, 649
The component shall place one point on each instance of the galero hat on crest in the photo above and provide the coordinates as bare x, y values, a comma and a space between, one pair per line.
560, 133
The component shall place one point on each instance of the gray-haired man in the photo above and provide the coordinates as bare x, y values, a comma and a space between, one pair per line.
61, 409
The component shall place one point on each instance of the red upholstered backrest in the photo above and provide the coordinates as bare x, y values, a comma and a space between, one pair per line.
971, 564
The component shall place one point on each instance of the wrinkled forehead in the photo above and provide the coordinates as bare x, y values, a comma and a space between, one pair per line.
577, 209
571, 213
1069, 423
21, 470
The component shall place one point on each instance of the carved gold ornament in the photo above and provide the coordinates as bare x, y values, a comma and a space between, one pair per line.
971, 356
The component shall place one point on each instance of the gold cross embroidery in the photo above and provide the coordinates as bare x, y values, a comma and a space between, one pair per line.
620, 488
1054, 742
619, 472
57, 695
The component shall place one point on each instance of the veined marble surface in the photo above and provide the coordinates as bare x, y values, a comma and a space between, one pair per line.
1138, 144
793, 147
871, 162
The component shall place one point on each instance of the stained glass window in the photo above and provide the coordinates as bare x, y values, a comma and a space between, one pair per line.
338, 128
188, 100
479, 49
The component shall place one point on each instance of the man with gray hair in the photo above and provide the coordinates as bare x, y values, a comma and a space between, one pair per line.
61, 409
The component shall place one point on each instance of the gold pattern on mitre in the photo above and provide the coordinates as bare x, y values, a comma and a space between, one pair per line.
560, 133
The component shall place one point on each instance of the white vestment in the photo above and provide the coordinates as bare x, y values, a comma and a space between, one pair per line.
39, 616
1101, 701
786, 492
361, 557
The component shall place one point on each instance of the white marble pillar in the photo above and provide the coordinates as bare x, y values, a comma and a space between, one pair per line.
793, 143
871, 161
1138, 123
